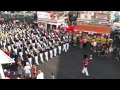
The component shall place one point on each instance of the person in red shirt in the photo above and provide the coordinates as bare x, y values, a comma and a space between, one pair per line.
34, 71
81, 43
7, 52
85, 65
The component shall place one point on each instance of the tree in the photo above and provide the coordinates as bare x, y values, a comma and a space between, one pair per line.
73, 15
117, 17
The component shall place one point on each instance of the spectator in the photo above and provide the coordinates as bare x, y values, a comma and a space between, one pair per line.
81, 43
34, 71
40, 75
94, 46
20, 69
19, 77
7, 52
27, 71
85, 42
52, 76
9, 74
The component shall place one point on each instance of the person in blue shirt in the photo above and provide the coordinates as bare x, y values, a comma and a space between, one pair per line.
20, 69
52, 76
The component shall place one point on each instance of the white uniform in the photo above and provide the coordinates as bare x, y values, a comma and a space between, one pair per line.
51, 51
64, 47
46, 52
55, 51
15, 50
46, 55
67, 44
0, 42
30, 59
59, 49
36, 59
9, 48
21, 55
85, 71
41, 57
51, 54
4, 44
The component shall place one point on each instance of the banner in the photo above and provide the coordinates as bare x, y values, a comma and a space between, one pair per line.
46, 15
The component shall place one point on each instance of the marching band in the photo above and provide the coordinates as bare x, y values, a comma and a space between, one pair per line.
34, 44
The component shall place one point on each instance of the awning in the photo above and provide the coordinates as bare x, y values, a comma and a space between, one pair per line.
94, 28
5, 59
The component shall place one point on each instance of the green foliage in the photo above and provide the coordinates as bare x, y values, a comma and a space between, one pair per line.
117, 17
27, 18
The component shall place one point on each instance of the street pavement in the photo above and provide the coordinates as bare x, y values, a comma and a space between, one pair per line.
69, 66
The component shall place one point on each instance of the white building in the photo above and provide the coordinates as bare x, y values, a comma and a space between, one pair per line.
50, 19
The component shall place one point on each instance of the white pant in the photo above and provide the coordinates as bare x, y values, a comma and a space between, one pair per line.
1, 42
33, 44
9, 48
41, 57
59, 49
55, 51
21, 55
30, 60
85, 71
36, 60
51, 54
15, 50
64, 47
30, 41
4, 45
46, 55
17, 43
67, 45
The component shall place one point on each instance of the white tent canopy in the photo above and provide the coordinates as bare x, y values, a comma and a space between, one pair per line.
4, 59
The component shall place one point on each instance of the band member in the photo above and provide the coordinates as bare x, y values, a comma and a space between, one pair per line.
15, 49
29, 56
30, 48
45, 51
59, 46
26, 49
20, 53
85, 65
9, 47
64, 44
51, 50
55, 51
33, 42
1, 42
17, 42
4, 43
35, 55
41, 54
67, 42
